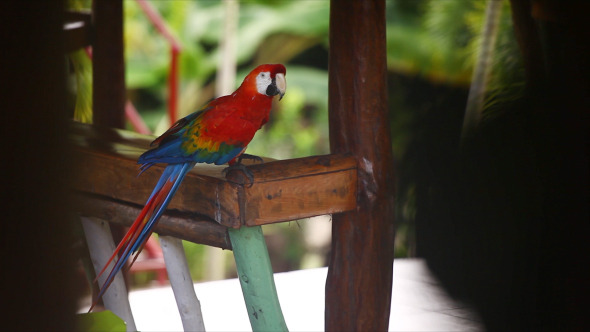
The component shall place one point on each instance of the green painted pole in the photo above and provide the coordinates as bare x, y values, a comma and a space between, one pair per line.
256, 277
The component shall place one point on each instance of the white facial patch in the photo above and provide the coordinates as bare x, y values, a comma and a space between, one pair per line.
263, 80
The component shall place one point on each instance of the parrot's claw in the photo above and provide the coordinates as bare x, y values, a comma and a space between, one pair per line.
249, 156
238, 165
241, 167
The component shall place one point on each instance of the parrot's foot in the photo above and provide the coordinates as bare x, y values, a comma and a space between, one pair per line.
241, 167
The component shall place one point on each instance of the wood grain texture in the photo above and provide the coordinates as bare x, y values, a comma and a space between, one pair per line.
298, 188
189, 227
301, 197
358, 287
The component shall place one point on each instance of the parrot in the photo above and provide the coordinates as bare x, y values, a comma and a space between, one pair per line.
217, 134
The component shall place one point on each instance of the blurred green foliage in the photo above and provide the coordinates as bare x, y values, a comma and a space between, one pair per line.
431, 48
82, 66
103, 321
268, 32
436, 40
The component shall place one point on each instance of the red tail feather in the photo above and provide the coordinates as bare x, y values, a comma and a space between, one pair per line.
132, 231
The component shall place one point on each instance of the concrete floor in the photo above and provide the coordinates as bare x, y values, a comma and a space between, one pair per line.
418, 303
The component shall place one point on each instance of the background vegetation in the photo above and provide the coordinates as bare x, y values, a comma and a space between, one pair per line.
431, 48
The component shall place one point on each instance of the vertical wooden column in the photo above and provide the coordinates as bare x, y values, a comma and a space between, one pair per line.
41, 290
108, 69
358, 288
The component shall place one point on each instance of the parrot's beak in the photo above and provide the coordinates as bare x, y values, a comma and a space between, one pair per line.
281, 84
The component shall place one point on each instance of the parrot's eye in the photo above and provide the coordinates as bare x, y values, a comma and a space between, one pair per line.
263, 80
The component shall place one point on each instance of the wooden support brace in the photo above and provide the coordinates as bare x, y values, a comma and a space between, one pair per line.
256, 278
101, 247
188, 304
185, 226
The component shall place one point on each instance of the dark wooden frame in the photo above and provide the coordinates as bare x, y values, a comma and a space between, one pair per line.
358, 289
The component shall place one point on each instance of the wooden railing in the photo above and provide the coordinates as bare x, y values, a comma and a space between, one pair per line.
281, 191
207, 205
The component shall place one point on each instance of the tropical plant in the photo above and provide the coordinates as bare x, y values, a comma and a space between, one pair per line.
430, 41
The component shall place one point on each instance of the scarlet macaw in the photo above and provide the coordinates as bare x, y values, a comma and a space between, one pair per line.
218, 133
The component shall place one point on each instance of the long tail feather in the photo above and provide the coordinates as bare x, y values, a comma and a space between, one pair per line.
142, 227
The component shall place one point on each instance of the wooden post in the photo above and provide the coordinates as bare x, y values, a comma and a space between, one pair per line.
358, 287
101, 246
40, 290
189, 306
108, 69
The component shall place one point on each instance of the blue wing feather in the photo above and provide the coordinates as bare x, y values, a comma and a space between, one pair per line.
169, 148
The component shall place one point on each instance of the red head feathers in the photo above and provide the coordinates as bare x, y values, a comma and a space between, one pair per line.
267, 80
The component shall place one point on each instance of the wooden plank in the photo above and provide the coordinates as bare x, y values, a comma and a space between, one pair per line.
358, 299
277, 170
185, 226
298, 188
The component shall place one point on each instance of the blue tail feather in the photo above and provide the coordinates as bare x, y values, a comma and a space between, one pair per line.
179, 174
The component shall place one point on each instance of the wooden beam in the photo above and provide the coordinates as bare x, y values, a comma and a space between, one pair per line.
185, 226
108, 68
281, 191
358, 287
297, 188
